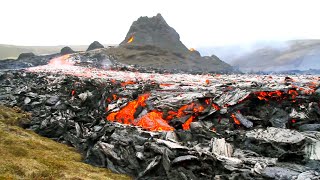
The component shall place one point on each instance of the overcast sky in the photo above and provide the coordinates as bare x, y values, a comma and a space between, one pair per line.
199, 23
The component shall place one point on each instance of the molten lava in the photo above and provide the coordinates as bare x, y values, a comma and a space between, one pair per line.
130, 39
152, 121
235, 119
126, 114
277, 95
267, 95
191, 49
186, 125
156, 120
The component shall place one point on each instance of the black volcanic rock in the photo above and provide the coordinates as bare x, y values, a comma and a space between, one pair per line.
95, 45
156, 32
26, 55
66, 50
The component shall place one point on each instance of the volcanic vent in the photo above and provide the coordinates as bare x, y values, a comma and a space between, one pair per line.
151, 42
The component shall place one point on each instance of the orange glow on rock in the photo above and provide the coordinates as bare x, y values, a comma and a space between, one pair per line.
166, 84
156, 120
186, 125
127, 83
191, 49
216, 107
153, 122
267, 95
114, 96
198, 108
73, 92
207, 101
112, 116
126, 114
130, 39
235, 119
182, 111
293, 93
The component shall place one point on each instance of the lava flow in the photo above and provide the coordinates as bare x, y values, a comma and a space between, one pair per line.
155, 120
152, 121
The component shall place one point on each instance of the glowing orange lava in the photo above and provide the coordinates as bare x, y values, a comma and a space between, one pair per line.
130, 39
153, 122
127, 83
235, 119
126, 114
266, 95
216, 107
156, 120
293, 93
191, 49
186, 125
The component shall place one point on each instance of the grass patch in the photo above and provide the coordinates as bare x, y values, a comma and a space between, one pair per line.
26, 155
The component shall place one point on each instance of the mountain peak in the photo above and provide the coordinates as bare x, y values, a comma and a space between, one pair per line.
156, 32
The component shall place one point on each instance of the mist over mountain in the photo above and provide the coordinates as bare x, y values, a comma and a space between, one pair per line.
270, 56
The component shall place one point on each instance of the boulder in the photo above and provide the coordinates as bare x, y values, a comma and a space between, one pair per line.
26, 55
95, 45
66, 50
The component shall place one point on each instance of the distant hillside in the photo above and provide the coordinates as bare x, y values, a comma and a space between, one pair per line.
296, 55
12, 51
272, 56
